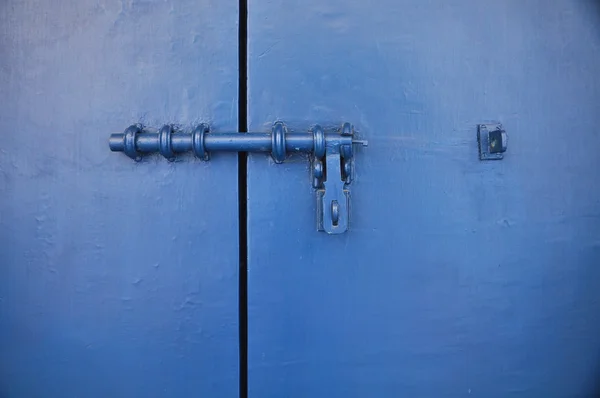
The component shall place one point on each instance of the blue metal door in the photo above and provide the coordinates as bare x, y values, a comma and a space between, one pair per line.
117, 279
457, 277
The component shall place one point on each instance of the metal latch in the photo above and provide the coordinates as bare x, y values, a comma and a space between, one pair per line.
332, 157
492, 141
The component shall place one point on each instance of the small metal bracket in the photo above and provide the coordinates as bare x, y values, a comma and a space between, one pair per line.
492, 141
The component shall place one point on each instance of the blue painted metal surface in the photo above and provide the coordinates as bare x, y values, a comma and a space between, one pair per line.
457, 277
335, 149
117, 279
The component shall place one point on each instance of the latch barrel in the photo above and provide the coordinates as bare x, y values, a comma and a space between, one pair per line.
148, 142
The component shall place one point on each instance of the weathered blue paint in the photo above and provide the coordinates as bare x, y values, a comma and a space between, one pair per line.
117, 279
457, 277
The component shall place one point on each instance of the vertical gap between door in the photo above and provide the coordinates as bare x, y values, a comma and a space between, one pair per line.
243, 197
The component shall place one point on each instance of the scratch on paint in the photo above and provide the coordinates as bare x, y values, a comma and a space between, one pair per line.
268, 50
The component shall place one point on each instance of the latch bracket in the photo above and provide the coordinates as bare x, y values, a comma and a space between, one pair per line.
492, 141
332, 175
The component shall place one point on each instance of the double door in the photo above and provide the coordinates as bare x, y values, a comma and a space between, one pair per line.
458, 276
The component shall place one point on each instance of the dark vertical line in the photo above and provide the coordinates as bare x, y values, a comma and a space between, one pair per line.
243, 197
